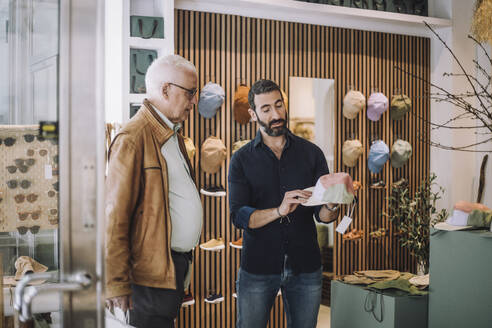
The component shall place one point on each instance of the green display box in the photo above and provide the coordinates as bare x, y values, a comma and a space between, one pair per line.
349, 304
460, 279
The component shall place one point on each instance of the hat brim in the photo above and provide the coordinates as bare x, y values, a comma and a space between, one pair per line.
448, 227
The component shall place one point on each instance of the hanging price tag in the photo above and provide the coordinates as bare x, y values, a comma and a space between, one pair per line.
343, 226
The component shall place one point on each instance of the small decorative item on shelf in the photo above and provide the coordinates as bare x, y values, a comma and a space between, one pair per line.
214, 298
147, 27
140, 60
213, 245
413, 215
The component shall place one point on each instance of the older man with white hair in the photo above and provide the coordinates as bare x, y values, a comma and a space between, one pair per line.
153, 208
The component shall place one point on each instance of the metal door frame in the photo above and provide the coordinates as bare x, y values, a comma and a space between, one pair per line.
82, 156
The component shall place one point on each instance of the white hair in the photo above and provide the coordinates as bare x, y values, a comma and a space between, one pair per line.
156, 73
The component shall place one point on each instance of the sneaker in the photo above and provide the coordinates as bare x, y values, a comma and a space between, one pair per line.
279, 292
214, 191
378, 185
188, 300
214, 298
377, 234
234, 295
237, 244
213, 245
400, 183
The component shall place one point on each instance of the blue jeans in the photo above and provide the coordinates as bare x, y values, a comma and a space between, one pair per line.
256, 294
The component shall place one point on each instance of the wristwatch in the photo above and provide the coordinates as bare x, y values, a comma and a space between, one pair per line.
332, 209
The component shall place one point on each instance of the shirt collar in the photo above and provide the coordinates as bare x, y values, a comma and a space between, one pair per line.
171, 125
259, 139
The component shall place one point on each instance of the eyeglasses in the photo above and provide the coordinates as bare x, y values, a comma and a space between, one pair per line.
8, 141
24, 184
43, 152
189, 92
20, 162
12, 169
31, 198
51, 194
53, 211
23, 230
53, 220
34, 215
30, 152
28, 137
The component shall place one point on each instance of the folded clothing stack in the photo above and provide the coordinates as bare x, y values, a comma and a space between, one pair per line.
387, 279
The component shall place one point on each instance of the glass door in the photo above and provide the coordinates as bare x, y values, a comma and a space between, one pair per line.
51, 161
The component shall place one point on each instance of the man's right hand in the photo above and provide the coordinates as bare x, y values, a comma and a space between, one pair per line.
123, 302
292, 199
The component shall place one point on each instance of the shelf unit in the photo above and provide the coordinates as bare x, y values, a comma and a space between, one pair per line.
305, 12
118, 96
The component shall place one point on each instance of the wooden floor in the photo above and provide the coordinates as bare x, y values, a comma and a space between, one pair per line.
324, 317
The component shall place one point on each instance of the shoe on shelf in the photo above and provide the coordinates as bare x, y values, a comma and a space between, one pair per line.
400, 183
213, 191
356, 185
188, 300
237, 244
234, 295
377, 234
378, 184
213, 245
353, 235
214, 298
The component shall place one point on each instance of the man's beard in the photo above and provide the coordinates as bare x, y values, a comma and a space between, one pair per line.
276, 131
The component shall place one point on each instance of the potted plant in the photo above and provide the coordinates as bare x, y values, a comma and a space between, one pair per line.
413, 215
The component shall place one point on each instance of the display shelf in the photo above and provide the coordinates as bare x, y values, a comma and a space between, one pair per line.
154, 44
304, 12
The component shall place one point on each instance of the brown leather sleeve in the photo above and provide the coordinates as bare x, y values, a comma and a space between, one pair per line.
122, 187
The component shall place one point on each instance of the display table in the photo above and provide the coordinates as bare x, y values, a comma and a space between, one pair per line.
460, 279
349, 304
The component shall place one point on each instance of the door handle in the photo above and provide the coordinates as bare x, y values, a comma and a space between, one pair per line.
24, 297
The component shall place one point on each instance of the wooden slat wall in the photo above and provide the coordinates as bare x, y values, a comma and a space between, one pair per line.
230, 50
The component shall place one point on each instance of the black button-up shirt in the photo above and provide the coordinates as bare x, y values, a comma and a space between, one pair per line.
257, 181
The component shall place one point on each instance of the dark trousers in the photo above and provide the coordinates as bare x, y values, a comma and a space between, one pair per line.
158, 307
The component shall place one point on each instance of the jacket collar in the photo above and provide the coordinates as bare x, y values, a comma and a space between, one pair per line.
159, 128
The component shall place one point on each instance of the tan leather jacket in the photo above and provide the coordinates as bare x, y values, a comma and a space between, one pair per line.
138, 235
